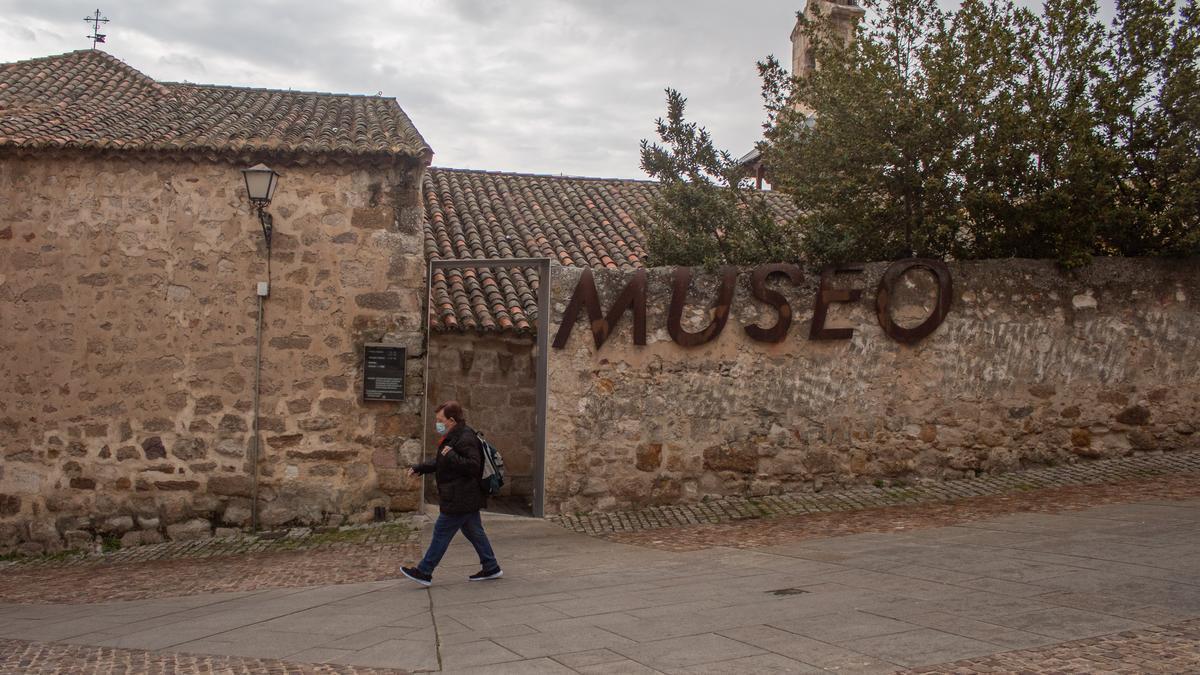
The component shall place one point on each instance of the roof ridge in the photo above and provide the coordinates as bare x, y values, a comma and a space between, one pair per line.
52, 56
522, 174
97, 53
277, 91
771, 194
94, 101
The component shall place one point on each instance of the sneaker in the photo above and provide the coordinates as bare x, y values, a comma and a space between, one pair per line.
484, 576
417, 575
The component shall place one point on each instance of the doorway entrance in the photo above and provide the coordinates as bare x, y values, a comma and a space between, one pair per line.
501, 381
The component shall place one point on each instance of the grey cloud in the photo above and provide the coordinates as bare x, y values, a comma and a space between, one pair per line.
478, 11
182, 62
20, 33
556, 86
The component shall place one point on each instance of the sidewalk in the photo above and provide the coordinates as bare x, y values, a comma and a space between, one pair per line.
1116, 586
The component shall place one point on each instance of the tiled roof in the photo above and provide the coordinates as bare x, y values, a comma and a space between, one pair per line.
91, 100
579, 222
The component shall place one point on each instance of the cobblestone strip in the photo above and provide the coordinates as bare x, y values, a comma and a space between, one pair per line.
1173, 648
852, 499
356, 537
103, 582
18, 657
759, 532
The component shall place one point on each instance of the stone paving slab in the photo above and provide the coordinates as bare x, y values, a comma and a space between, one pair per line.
690, 650
813, 653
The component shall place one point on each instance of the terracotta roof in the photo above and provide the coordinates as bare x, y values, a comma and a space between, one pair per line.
580, 222
91, 100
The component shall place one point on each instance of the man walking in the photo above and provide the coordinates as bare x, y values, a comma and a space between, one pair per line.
457, 468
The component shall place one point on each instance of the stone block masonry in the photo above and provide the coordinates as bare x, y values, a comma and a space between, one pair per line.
1032, 366
127, 290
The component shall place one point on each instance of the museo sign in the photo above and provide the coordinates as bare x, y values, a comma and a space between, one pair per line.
633, 297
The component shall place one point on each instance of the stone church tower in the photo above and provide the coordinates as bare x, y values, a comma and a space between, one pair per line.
844, 16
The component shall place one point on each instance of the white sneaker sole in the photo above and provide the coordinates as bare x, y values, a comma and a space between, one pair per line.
419, 581
497, 575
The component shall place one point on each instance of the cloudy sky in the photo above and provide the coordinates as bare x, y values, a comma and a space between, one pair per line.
541, 86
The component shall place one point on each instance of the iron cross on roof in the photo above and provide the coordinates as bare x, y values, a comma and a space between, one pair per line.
96, 36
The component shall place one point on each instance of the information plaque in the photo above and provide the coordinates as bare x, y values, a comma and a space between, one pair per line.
383, 372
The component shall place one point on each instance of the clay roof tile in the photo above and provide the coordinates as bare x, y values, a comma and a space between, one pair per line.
91, 100
575, 221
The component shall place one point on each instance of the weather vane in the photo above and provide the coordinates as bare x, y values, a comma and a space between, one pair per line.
96, 36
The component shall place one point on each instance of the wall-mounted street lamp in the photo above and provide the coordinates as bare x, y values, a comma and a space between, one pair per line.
261, 181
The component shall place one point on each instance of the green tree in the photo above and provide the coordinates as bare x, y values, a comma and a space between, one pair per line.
1061, 196
970, 134
1151, 117
872, 167
706, 212
992, 131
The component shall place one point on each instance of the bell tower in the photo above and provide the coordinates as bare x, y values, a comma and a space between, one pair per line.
842, 16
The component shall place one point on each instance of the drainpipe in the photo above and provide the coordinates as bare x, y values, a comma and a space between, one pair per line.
263, 289
425, 376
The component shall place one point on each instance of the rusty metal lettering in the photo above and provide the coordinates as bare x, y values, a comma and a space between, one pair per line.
633, 297
586, 297
887, 286
679, 289
758, 287
827, 295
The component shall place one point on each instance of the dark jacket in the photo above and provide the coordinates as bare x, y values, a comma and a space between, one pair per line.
458, 472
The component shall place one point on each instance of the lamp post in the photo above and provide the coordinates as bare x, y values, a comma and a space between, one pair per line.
261, 181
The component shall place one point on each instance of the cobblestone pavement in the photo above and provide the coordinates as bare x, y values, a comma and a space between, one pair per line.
1161, 649
756, 533
18, 657
294, 539
737, 508
211, 566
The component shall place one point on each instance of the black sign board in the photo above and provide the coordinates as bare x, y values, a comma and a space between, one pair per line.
383, 372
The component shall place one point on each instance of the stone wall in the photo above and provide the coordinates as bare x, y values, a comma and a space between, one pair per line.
1032, 366
127, 287
494, 378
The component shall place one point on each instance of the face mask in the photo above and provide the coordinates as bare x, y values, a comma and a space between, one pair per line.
441, 427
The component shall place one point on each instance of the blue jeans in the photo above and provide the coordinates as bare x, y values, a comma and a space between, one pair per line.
445, 528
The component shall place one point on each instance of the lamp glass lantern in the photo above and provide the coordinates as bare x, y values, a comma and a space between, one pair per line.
261, 181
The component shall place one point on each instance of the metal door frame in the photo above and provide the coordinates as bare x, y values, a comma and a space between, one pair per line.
543, 343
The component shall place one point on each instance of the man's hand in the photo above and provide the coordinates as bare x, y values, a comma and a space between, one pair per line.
412, 471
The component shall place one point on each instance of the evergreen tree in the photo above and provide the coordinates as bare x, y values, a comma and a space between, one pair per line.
992, 131
1151, 117
706, 213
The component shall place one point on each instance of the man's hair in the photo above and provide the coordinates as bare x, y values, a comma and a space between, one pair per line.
453, 411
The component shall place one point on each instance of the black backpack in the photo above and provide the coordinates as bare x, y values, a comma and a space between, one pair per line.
493, 468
